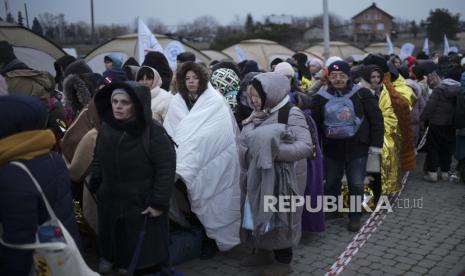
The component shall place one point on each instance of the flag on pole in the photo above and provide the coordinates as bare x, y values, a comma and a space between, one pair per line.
406, 50
390, 48
446, 46
239, 53
426, 46
172, 50
146, 41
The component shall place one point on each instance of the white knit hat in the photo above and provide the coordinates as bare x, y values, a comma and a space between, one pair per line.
119, 91
331, 60
285, 69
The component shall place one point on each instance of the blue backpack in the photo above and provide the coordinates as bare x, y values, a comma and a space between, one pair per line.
340, 120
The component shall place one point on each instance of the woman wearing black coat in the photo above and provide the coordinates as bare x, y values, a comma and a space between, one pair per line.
132, 175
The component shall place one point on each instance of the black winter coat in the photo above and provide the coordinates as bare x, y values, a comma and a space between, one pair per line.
370, 133
134, 168
440, 108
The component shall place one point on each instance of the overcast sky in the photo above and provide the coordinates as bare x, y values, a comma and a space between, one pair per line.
173, 12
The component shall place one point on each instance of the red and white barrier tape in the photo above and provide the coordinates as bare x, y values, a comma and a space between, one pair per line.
368, 228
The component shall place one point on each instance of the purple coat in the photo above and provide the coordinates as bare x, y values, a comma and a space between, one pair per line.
314, 222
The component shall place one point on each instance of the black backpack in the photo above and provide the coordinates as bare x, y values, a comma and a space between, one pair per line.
283, 118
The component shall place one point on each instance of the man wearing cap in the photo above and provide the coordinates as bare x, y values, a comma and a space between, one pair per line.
348, 154
439, 114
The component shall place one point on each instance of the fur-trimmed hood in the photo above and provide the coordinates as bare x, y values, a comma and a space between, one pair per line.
78, 90
202, 74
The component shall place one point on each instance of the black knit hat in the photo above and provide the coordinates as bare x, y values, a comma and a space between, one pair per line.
426, 66
185, 56
6, 52
377, 60
276, 61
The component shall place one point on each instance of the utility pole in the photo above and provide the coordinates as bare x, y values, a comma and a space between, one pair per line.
325, 29
92, 21
27, 17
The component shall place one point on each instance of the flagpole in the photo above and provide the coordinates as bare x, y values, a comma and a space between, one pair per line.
325, 29
7, 8
92, 21
27, 17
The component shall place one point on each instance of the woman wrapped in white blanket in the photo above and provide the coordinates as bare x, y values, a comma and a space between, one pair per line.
202, 125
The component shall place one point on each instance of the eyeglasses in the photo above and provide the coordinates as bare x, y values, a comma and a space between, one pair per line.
341, 76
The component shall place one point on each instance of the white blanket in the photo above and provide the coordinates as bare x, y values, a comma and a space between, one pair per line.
208, 162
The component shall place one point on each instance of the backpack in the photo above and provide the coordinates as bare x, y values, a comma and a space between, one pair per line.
340, 120
283, 118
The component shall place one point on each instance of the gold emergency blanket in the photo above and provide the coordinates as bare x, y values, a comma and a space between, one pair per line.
390, 163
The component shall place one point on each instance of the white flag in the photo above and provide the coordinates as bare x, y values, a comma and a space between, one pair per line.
172, 50
426, 46
406, 50
239, 53
146, 41
446, 46
390, 48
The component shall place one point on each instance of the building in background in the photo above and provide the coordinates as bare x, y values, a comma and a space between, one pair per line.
372, 24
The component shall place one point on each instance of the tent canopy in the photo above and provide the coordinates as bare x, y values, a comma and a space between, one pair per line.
215, 55
126, 46
380, 48
313, 55
34, 50
336, 48
261, 50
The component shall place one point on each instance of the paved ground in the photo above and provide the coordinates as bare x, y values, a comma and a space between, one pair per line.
411, 241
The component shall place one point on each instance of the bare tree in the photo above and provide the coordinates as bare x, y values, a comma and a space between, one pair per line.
203, 28
156, 26
237, 23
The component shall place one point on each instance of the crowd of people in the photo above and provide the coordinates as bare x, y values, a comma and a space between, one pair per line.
143, 147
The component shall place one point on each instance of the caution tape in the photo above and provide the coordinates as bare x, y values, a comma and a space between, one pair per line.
368, 228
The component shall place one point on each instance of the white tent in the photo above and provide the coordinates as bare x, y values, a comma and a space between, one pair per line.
311, 54
215, 55
336, 48
261, 50
126, 46
34, 50
380, 48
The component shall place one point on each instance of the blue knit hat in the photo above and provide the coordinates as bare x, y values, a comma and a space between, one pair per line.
339, 65
110, 76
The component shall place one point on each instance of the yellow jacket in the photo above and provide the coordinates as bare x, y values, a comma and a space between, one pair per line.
305, 83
